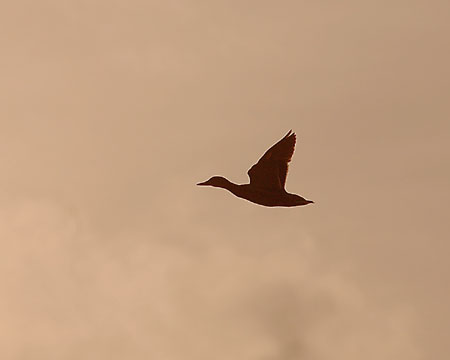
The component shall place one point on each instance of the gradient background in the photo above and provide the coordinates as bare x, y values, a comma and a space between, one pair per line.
111, 111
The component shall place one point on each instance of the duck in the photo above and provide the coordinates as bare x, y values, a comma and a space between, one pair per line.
267, 178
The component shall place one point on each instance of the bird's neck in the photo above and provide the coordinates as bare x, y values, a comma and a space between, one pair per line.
232, 187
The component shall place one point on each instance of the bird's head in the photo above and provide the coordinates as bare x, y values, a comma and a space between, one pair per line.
216, 181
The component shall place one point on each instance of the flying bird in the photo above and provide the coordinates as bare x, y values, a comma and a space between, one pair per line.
267, 178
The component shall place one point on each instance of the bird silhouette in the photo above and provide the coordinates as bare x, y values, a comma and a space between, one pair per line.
267, 178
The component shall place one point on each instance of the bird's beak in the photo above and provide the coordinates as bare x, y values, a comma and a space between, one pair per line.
203, 183
310, 202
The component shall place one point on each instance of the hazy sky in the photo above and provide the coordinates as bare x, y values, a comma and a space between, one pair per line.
111, 111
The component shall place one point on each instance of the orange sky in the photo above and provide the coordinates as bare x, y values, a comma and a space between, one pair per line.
112, 111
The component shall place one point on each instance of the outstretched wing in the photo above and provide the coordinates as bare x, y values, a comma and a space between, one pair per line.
270, 171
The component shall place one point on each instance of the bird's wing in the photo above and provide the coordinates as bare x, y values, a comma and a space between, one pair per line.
271, 170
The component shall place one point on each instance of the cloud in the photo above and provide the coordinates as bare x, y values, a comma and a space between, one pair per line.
70, 292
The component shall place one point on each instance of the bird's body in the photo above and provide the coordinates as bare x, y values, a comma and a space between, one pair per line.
269, 198
267, 178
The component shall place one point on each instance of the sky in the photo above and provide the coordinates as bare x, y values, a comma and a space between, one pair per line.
112, 111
